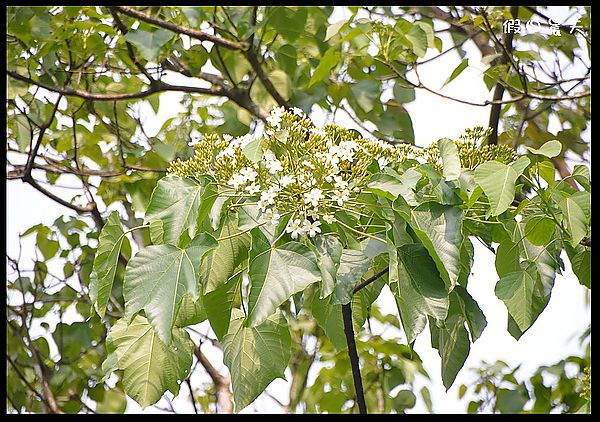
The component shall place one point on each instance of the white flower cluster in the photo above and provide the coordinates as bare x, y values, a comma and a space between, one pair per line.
297, 227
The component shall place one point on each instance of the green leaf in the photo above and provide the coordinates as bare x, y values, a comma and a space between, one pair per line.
190, 312
223, 263
111, 240
582, 175
328, 62
256, 355
432, 296
582, 266
439, 229
450, 158
181, 204
276, 274
253, 151
150, 367
459, 69
473, 314
550, 149
328, 252
218, 304
539, 230
21, 132
114, 401
407, 298
157, 278
148, 43
519, 292
498, 182
353, 265
575, 219
507, 258
391, 186
454, 348
287, 57
418, 37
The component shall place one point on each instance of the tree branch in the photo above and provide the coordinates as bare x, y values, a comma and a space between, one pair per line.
353, 355
224, 401
193, 33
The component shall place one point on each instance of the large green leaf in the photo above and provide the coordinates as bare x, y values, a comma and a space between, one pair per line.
439, 229
328, 250
574, 217
276, 274
353, 265
158, 277
219, 303
111, 240
519, 291
256, 355
149, 43
452, 341
473, 314
327, 62
180, 204
150, 366
498, 182
411, 315
391, 185
223, 263
419, 269
450, 158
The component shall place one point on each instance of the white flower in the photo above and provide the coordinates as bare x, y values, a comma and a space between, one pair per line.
272, 217
308, 164
273, 166
308, 182
313, 197
253, 188
268, 197
298, 111
312, 228
329, 218
194, 142
227, 137
275, 117
382, 161
286, 180
262, 205
295, 228
249, 174
340, 183
236, 181
318, 131
340, 196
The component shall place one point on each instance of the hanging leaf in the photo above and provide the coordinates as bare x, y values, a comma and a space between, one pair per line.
353, 265
520, 292
439, 229
149, 43
450, 158
150, 367
255, 355
181, 204
276, 274
223, 263
498, 182
157, 278
111, 240
574, 218
328, 251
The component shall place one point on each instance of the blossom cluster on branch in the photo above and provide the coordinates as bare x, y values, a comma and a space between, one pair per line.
299, 169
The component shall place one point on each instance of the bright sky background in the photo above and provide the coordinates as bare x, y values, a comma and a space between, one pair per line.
554, 335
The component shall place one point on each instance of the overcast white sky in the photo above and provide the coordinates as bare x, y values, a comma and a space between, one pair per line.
553, 336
